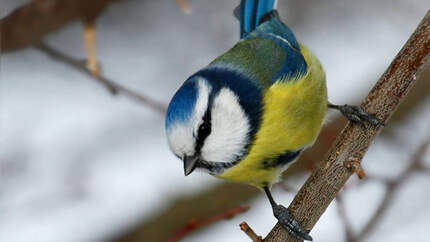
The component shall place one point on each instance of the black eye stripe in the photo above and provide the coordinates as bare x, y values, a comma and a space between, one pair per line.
204, 130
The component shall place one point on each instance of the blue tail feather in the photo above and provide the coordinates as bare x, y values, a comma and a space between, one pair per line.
247, 16
264, 6
251, 12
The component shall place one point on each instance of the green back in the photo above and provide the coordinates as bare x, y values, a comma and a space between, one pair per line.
258, 58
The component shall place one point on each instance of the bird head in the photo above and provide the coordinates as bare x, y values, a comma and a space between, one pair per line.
207, 125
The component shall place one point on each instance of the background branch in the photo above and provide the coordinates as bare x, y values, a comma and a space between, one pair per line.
344, 218
112, 86
29, 23
162, 226
392, 189
195, 224
326, 181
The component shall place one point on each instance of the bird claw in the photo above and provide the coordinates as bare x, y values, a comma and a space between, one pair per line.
358, 115
287, 222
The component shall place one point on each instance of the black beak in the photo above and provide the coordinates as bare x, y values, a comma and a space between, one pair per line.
190, 163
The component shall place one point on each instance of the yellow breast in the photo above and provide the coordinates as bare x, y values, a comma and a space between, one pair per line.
293, 114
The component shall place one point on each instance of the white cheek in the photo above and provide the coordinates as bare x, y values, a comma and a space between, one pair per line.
230, 127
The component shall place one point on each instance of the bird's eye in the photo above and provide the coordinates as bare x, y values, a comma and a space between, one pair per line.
204, 130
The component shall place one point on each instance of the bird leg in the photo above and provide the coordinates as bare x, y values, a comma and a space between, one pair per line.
356, 114
286, 220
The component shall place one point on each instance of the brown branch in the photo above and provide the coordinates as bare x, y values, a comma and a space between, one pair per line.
195, 224
325, 182
112, 86
29, 23
251, 234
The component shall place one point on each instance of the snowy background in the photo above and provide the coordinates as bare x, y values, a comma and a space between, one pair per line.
77, 164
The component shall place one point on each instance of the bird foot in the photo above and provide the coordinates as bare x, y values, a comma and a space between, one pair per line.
357, 114
290, 224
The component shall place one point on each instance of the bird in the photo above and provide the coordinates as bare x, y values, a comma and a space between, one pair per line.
250, 113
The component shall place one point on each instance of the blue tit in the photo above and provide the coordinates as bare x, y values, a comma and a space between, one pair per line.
251, 112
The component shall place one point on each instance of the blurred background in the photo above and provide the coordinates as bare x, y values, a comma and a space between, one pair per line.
83, 88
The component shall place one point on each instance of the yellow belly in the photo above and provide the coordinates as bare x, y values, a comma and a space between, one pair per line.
292, 118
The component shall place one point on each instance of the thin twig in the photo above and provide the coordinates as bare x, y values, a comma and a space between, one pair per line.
375, 178
195, 224
344, 218
90, 45
355, 166
112, 86
251, 234
325, 182
184, 5
392, 186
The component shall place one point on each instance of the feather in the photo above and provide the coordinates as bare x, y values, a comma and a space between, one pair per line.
251, 11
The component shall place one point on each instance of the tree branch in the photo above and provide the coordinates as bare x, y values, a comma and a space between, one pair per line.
325, 182
113, 87
248, 231
29, 23
195, 224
